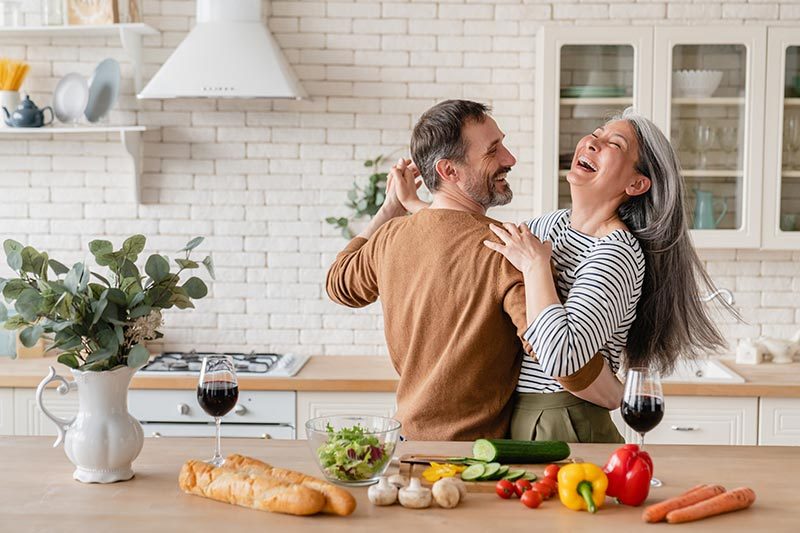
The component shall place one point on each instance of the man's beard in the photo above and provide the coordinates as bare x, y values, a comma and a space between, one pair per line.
483, 191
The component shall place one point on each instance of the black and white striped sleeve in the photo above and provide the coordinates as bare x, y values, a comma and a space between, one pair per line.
602, 299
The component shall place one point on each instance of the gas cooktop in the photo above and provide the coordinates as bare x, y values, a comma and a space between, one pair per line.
247, 364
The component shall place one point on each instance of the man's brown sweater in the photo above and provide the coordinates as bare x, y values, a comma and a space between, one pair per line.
454, 314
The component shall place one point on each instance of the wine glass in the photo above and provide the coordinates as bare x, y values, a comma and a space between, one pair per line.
704, 140
217, 393
728, 141
792, 139
643, 403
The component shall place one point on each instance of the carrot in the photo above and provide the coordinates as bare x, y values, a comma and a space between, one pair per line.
657, 512
740, 498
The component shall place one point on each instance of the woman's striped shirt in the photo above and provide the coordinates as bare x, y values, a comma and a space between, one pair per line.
599, 281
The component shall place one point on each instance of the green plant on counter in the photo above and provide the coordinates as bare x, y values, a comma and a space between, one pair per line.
98, 325
365, 201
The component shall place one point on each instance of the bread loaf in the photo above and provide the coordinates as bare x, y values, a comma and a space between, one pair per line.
243, 488
338, 500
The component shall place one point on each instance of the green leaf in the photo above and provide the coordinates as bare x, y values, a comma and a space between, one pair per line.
133, 246
142, 310
31, 335
66, 341
15, 322
100, 247
74, 278
209, 264
191, 245
10, 246
69, 359
136, 299
15, 261
99, 355
108, 339
28, 304
3, 313
99, 306
117, 296
138, 356
101, 278
195, 288
14, 288
181, 301
57, 268
129, 269
120, 333
31, 260
187, 263
157, 267
368, 163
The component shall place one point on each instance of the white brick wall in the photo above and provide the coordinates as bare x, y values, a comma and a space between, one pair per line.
257, 177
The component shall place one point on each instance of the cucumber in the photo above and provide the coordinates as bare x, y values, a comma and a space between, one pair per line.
530, 476
489, 471
473, 472
501, 474
513, 475
520, 451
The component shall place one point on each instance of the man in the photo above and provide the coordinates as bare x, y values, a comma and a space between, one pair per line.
454, 311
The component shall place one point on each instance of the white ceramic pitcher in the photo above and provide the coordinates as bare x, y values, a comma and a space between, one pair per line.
103, 439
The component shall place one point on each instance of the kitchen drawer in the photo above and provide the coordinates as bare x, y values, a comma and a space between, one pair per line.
29, 419
253, 407
703, 420
257, 431
779, 421
6, 411
314, 404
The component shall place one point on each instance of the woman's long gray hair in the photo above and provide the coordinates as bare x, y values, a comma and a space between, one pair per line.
671, 320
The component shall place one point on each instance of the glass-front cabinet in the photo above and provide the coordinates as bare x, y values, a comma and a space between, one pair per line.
781, 213
585, 76
708, 98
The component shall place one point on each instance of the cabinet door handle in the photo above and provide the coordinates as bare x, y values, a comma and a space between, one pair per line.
266, 436
183, 409
240, 409
156, 435
684, 428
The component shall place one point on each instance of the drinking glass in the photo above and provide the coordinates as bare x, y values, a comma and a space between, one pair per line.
704, 140
643, 403
792, 139
728, 141
217, 393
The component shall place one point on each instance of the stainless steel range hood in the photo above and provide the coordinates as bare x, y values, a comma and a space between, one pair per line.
230, 53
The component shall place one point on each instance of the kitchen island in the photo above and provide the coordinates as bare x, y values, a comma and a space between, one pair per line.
38, 493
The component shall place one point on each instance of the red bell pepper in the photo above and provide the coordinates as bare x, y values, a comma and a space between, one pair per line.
629, 471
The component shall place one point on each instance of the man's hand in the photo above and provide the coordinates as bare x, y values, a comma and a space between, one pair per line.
405, 178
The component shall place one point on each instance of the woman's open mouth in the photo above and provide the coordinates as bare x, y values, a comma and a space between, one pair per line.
584, 163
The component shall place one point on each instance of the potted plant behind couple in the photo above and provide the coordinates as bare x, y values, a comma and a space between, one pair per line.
100, 324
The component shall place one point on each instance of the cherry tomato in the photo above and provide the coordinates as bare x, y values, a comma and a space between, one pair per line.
531, 498
542, 488
551, 482
551, 472
505, 489
521, 486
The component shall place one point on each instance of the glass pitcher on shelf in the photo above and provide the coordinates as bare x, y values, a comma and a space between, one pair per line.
704, 210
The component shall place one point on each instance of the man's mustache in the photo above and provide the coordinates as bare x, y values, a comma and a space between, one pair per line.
504, 170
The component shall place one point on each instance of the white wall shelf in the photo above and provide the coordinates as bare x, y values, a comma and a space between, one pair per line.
130, 35
623, 100
130, 137
719, 100
792, 102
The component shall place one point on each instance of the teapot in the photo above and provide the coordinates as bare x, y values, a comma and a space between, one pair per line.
27, 115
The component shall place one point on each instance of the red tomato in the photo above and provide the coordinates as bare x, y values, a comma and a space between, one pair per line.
542, 488
505, 489
551, 472
531, 498
521, 486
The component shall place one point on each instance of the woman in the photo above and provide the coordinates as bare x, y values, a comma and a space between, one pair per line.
626, 279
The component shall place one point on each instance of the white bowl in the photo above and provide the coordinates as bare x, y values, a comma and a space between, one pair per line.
695, 83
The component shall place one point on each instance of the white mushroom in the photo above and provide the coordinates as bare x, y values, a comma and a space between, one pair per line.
383, 493
415, 496
446, 494
398, 480
462, 488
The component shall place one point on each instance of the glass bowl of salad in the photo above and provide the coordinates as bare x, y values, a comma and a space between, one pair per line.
353, 449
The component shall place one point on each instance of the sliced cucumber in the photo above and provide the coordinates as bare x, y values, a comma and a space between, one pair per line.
502, 472
530, 476
490, 470
520, 452
473, 472
513, 475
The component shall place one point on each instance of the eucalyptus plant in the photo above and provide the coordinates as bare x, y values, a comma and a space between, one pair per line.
98, 322
364, 201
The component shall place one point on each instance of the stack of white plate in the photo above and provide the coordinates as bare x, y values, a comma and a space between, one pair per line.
75, 98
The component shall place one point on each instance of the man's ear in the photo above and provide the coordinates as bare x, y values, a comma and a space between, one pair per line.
640, 185
447, 170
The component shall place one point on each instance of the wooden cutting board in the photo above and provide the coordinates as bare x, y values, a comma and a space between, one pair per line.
412, 465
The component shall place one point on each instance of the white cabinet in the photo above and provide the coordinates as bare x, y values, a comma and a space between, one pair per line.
742, 174
29, 419
701, 420
779, 421
6, 412
314, 404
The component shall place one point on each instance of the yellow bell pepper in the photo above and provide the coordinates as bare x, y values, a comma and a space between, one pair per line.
582, 486
437, 471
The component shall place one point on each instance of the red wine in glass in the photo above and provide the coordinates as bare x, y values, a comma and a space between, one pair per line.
217, 393
643, 404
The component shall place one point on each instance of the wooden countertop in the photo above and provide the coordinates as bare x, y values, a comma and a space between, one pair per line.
375, 374
38, 493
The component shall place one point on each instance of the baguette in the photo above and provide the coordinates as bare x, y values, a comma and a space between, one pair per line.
260, 492
338, 500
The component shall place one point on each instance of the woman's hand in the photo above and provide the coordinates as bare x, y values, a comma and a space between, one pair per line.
405, 177
521, 247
